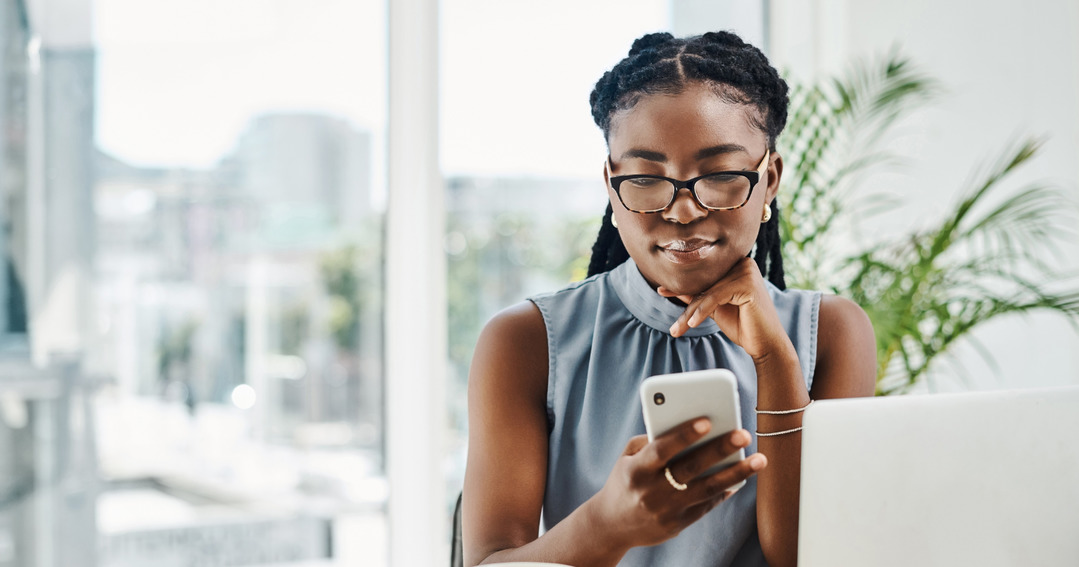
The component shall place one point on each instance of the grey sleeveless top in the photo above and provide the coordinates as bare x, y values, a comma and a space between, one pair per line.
604, 336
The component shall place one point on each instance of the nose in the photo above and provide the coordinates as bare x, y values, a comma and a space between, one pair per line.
684, 209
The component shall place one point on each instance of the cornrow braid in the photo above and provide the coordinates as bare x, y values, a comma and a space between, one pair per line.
768, 250
659, 63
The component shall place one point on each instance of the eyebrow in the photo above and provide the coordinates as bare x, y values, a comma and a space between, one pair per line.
702, 154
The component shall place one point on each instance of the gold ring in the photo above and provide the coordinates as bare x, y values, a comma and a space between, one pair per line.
670, 478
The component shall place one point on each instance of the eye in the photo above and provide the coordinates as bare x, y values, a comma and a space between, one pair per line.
722, 179
645, 182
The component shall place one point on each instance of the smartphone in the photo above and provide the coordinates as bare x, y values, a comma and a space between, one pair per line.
669, 400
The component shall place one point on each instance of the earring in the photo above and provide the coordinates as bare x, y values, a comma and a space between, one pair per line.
614, 221
767, 214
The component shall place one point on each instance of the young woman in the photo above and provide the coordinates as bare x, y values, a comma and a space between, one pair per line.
558, 467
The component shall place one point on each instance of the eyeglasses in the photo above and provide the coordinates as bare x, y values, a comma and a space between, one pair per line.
719, 191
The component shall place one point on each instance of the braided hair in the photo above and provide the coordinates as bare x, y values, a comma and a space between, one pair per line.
659, 63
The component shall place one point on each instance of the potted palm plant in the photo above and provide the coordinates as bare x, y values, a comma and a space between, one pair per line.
925, 291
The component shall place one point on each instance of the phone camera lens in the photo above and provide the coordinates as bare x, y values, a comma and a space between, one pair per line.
659, 398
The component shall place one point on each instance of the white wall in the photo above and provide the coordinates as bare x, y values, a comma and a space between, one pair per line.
1010, 69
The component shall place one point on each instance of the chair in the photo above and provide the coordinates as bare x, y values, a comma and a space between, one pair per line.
457, 554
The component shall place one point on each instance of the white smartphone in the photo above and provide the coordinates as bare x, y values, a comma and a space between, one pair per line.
669, 400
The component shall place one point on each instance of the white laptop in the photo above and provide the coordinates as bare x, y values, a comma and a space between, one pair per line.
987, 479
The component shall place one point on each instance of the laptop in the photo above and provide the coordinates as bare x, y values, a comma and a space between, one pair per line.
985, 478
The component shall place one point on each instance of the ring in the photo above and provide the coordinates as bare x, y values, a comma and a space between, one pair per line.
670, 478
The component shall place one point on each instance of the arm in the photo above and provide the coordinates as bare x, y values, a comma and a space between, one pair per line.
507, 451
846, 367
507, 462
507, 390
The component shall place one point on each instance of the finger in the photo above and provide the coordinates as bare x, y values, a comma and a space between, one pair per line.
697, 511
635, 444
681, 325
703, 309
720, 295
721, 301
726, 479
699, 460
668, 293
678, 328
666, 446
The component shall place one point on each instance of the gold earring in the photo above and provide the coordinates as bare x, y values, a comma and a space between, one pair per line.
614, 221
767, 214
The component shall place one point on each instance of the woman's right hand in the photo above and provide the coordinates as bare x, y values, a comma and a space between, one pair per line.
638, 506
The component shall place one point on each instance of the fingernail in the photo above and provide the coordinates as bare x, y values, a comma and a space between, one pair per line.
741, 437
702, 426
756, 462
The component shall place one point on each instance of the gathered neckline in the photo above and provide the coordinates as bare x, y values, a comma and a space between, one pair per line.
649, 307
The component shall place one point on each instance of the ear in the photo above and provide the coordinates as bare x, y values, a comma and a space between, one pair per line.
775, 172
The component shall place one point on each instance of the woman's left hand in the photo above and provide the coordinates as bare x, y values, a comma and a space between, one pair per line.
739, 303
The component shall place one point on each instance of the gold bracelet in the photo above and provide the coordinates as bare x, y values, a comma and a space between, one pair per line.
783, 412
784, 432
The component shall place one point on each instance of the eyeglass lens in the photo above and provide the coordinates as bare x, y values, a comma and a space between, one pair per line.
715, 191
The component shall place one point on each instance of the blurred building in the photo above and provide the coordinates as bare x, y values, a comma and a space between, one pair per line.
248, 243
14, 75
546, 199
527, 234
312, 161
238, 291
48, 486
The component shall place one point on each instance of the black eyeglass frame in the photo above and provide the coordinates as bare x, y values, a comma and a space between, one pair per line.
754, 177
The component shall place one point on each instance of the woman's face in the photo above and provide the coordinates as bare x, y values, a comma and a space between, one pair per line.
686, 248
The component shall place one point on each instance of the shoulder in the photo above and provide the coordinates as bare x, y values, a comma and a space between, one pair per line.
846, 350
520, 322
841, 320
512, 352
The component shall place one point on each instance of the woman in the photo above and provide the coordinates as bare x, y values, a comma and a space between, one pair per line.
556, 431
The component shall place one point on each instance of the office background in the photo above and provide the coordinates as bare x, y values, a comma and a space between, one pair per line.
248, 244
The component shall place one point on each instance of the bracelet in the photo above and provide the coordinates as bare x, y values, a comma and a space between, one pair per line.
783, 412
773, 434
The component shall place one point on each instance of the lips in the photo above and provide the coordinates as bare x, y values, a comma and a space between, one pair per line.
687, 251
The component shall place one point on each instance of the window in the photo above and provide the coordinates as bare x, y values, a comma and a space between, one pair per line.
239, 198
210, 185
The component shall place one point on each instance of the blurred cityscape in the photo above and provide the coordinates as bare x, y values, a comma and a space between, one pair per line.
191, 358
276, 250
238, 309
205, 383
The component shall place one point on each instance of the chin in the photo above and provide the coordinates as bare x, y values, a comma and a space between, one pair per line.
691, 278
690, 284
